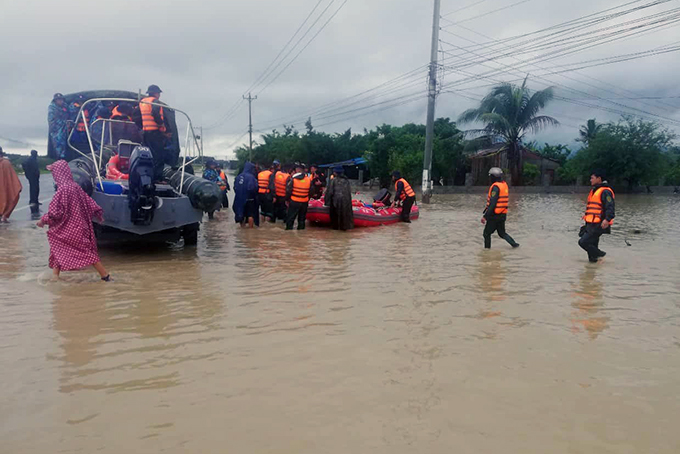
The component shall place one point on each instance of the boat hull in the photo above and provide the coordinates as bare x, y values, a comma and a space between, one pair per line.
319, 214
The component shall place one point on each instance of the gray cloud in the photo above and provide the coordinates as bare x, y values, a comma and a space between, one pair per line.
205, 54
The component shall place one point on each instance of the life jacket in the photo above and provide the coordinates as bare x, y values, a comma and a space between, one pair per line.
117, 168
263, 181
223, 181
407, 192
281, 180
594, 207
502, 203
148, 122
116, 113
85, 117
301, 189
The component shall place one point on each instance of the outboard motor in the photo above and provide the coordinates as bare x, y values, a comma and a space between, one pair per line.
383, 197
142, 191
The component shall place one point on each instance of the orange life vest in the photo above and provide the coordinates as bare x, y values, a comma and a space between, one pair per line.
594, 207
223, 181
85, 117
407, 192
117, 113
148, 122
280, 181
502, 203
263, 181
301, 189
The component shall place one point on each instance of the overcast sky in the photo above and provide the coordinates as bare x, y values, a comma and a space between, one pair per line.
206, 53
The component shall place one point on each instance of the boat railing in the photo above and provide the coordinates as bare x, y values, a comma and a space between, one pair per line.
190, 153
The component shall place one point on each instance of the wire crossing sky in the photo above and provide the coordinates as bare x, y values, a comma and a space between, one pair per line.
345, 64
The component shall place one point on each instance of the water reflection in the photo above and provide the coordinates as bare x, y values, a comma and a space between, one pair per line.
124, 337
588, 304
492, 276
12, 259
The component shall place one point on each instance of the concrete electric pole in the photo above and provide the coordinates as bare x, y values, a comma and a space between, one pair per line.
250, 121
432, 97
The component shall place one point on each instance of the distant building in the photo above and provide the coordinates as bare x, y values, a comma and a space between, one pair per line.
497, 156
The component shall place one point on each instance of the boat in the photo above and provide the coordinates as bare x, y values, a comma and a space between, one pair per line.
138, 209
364, 216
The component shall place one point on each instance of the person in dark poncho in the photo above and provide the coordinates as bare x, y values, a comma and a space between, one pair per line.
339, 201
246, 209
32, 172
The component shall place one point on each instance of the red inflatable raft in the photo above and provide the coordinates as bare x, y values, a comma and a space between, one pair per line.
319, 214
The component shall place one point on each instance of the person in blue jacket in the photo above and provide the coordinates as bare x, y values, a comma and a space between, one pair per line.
246, 208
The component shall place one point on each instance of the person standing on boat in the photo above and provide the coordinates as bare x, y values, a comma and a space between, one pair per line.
58, 120
404, 195
298, 190
32, 173
599, 217
496, 210
154, 127
339, 201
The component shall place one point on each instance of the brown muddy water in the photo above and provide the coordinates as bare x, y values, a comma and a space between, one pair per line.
400, 339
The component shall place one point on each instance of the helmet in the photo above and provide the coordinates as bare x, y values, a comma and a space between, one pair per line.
495, 172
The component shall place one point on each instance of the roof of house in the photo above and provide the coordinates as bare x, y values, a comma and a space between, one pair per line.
501, 147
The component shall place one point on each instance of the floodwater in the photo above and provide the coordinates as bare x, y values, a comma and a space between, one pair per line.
400, 339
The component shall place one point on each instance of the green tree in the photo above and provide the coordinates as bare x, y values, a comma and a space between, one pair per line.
509, 112
589, 131
559, 152
632, 152
531, 173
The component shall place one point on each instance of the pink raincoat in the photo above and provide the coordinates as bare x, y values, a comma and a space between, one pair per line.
71, 235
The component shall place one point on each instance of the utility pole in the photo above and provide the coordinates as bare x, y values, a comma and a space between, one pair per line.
250, 121
432, 96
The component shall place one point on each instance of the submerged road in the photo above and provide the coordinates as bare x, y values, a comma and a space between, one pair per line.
399, 339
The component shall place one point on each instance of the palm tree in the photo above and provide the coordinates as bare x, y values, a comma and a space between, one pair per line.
509, 112
589, 131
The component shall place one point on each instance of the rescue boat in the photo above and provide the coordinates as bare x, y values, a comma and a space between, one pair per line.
135, 207
364, 216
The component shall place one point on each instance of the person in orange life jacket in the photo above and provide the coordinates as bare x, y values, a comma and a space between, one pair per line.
224, 186
600, 213
496, 210
154, 127
318, 181
280, 180
298, 190
124, 131
404, 195
265, 193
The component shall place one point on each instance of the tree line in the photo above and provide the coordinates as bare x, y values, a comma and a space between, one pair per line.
632, 151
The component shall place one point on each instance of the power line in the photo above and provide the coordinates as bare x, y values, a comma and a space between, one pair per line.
271, 68
464, 8
485, 14
307, 45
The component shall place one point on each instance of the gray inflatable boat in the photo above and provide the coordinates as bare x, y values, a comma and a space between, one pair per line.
137, 208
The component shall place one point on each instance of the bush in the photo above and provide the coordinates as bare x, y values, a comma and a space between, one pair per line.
530, 174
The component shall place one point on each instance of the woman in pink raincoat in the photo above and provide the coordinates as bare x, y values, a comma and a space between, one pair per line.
73, 245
